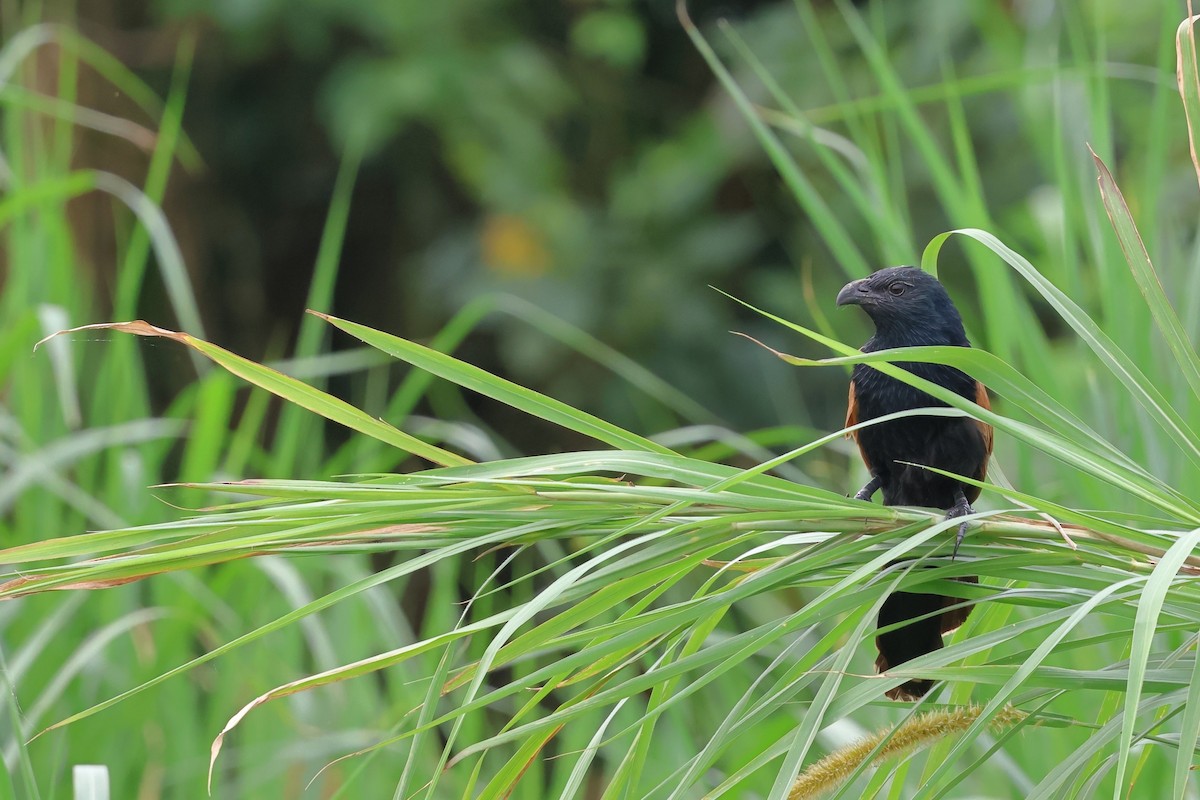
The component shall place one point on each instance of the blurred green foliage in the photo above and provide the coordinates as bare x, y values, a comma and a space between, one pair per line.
567, 154
579, 156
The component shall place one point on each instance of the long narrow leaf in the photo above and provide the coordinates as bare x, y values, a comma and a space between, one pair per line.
1152, 291
291, 390
478, 380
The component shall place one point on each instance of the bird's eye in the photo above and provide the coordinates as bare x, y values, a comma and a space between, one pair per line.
896, 288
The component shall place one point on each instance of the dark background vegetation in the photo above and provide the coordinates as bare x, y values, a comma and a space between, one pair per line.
574, 154
578, 155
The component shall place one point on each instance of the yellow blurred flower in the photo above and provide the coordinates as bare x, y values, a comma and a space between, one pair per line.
512, 248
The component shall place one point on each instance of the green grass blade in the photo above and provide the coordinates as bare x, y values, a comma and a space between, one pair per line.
293, 391
835, 235
26, 781
297, 432
618, 363
1187, 73
25, 42
478, 380
130, 276
1152, 291
1189, 732
1148, 609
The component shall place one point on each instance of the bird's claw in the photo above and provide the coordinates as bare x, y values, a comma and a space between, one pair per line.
961, 509
958, 540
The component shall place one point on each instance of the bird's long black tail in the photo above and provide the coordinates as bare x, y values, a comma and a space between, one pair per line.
918, 637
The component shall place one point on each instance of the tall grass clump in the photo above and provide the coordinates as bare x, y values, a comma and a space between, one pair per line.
640, 622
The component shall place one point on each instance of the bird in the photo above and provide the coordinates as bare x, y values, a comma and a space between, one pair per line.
909, 307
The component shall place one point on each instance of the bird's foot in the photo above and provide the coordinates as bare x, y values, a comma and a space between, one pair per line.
961, 509
867, 491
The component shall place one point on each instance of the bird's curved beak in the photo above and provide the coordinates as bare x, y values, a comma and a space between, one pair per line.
854, 293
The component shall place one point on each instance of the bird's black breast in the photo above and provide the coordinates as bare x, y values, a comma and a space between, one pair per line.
954, 444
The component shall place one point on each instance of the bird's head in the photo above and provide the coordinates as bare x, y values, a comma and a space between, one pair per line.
907, 305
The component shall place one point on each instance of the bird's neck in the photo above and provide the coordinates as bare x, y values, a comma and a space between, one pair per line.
889, 336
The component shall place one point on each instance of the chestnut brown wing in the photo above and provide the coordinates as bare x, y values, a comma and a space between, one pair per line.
852, 419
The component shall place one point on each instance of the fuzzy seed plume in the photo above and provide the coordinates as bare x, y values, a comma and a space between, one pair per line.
922, 730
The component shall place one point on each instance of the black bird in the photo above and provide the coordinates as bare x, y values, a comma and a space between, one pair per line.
911, 308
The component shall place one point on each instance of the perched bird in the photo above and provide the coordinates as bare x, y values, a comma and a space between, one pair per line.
911, 308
